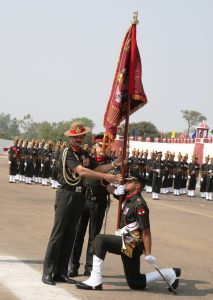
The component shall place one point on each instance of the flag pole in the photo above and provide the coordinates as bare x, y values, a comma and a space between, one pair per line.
134, 22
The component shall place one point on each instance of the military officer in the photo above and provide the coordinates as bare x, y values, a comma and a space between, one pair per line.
96, 201
70, 201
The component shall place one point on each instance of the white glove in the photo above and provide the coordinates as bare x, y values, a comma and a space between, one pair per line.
42, 165
25, 164
120, 190
189, 177
9, 162
173, 176
147, 174
201, 179
210, 171
150, 259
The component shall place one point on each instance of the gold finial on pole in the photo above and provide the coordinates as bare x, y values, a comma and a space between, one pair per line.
135, 18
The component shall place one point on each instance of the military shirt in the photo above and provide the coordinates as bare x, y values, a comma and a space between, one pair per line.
135, 209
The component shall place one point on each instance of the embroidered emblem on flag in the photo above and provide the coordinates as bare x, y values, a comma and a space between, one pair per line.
141, 212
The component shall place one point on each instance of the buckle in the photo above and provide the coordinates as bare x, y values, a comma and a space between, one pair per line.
78, 189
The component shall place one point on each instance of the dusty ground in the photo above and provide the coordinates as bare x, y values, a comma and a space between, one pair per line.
182, 231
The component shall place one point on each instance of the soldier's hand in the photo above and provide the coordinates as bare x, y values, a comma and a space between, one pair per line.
150, 259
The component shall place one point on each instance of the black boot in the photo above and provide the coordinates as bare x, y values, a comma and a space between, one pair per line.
176, 282
73, 272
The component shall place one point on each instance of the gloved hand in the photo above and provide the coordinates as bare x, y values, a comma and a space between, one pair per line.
120, 190
9, 162
173, 176
150, 259
201, 179
25, 164
189, 177
42, 165
147, 174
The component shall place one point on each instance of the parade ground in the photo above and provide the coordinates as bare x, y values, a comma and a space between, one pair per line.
182, 233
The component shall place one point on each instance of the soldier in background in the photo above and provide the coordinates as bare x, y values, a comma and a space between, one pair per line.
166, 174
46, 162
203, 177
171, 171
54, 165
177, 175
149, 172
18, 149
158, 169
184, 178
144, 160
193, 173
40, 157
13, 162
209, 181
37, 163
21, 172
29, 162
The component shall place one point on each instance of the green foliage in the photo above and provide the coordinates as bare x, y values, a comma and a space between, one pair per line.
192, 118
144, 129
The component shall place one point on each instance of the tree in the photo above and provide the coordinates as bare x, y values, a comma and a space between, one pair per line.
144, 129
13, 129
5, 120
192, 118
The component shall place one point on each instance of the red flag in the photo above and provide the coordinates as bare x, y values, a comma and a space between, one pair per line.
127, 84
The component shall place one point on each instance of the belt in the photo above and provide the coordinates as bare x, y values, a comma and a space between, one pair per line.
77, 189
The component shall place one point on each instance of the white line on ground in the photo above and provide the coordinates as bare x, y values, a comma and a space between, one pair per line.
25, 283
183, 209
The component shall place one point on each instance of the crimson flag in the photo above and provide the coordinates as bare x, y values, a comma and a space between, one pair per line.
127, 85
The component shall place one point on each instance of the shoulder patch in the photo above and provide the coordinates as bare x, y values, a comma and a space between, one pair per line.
141, 212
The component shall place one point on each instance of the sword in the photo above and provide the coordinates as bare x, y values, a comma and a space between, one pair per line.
171, 288
157, 269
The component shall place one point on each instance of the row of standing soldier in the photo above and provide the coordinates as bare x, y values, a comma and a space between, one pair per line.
170, 175
35, 162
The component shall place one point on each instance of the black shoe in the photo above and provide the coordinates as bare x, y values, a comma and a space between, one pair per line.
176, 282
73, 272
87, 272
84, 286
48, 279
64, 278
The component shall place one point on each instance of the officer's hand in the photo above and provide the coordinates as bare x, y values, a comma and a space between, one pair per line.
201, 179
147, 174
150, 259
173, 176
189, 177
9, 162
25, 164
113, 178
42, 165
120, 190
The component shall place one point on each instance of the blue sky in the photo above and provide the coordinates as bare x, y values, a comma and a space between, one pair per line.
58, 58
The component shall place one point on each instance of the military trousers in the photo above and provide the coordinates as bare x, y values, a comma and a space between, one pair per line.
104, 243
93, 214
68, 209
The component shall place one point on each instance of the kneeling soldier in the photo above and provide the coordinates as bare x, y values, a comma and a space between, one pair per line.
134, 238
